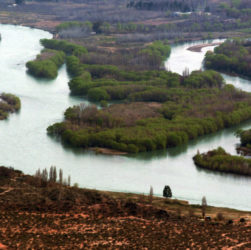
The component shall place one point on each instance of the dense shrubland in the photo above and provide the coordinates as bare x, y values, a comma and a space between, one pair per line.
65, 46
219, 160
232, 57
46, 64
109, 82
8, 104
245, 137
106, 82
163, 109
146, 126
148, 57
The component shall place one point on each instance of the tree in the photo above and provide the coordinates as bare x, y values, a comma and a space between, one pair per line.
45, 175
151, 195
69, 181
167, 192
61, 176
53, 174
203, 206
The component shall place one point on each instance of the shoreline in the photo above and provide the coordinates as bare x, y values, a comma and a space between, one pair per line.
107, 151
199, 47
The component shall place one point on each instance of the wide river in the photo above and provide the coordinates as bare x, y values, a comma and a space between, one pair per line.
25, 145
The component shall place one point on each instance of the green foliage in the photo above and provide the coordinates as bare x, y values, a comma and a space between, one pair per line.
208, 78
67, 47
185, 115
157, 51
245, 137
73, 24
46, 65
167, 192
80, 85
8, 104
98, 94
231, 57
73, 66
219, 160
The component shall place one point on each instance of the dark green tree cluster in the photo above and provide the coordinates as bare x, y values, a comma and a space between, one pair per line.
67, 47
157, 52
245, 137
219, 160
204, 79
46, 65
232, 57
8, 104
187, 114
108, 82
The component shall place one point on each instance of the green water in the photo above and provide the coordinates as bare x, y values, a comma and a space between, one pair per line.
25, 145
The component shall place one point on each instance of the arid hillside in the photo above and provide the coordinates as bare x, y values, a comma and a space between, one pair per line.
47, 215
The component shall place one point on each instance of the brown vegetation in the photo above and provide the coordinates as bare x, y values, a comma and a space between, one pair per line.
47, 215
198, 48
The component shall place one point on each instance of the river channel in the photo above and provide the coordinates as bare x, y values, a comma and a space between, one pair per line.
25, 145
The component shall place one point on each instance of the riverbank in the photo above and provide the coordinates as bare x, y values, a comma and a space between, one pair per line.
71, 217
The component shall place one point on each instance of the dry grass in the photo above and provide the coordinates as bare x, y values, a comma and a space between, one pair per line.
132, 112
34, 215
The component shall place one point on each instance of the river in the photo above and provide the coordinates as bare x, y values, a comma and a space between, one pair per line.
25, 145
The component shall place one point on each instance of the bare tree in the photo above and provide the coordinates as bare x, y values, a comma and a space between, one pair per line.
54, 174
51, 174
38, 174
186, 72
151, 195
60, 176
69, 181
203, 206
45, 175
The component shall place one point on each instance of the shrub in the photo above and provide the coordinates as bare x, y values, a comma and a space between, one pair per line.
97, 94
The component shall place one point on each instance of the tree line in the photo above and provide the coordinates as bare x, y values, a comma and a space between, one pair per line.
46, 64
233, 56
219, 160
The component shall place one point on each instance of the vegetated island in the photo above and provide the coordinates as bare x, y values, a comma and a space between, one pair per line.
219, 160
48, 62
245, 146
162, 109
8, 104
233, 57
44, 212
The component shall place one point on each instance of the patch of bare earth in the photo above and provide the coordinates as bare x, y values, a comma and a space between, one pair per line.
46, 215
198, 48
132, 112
